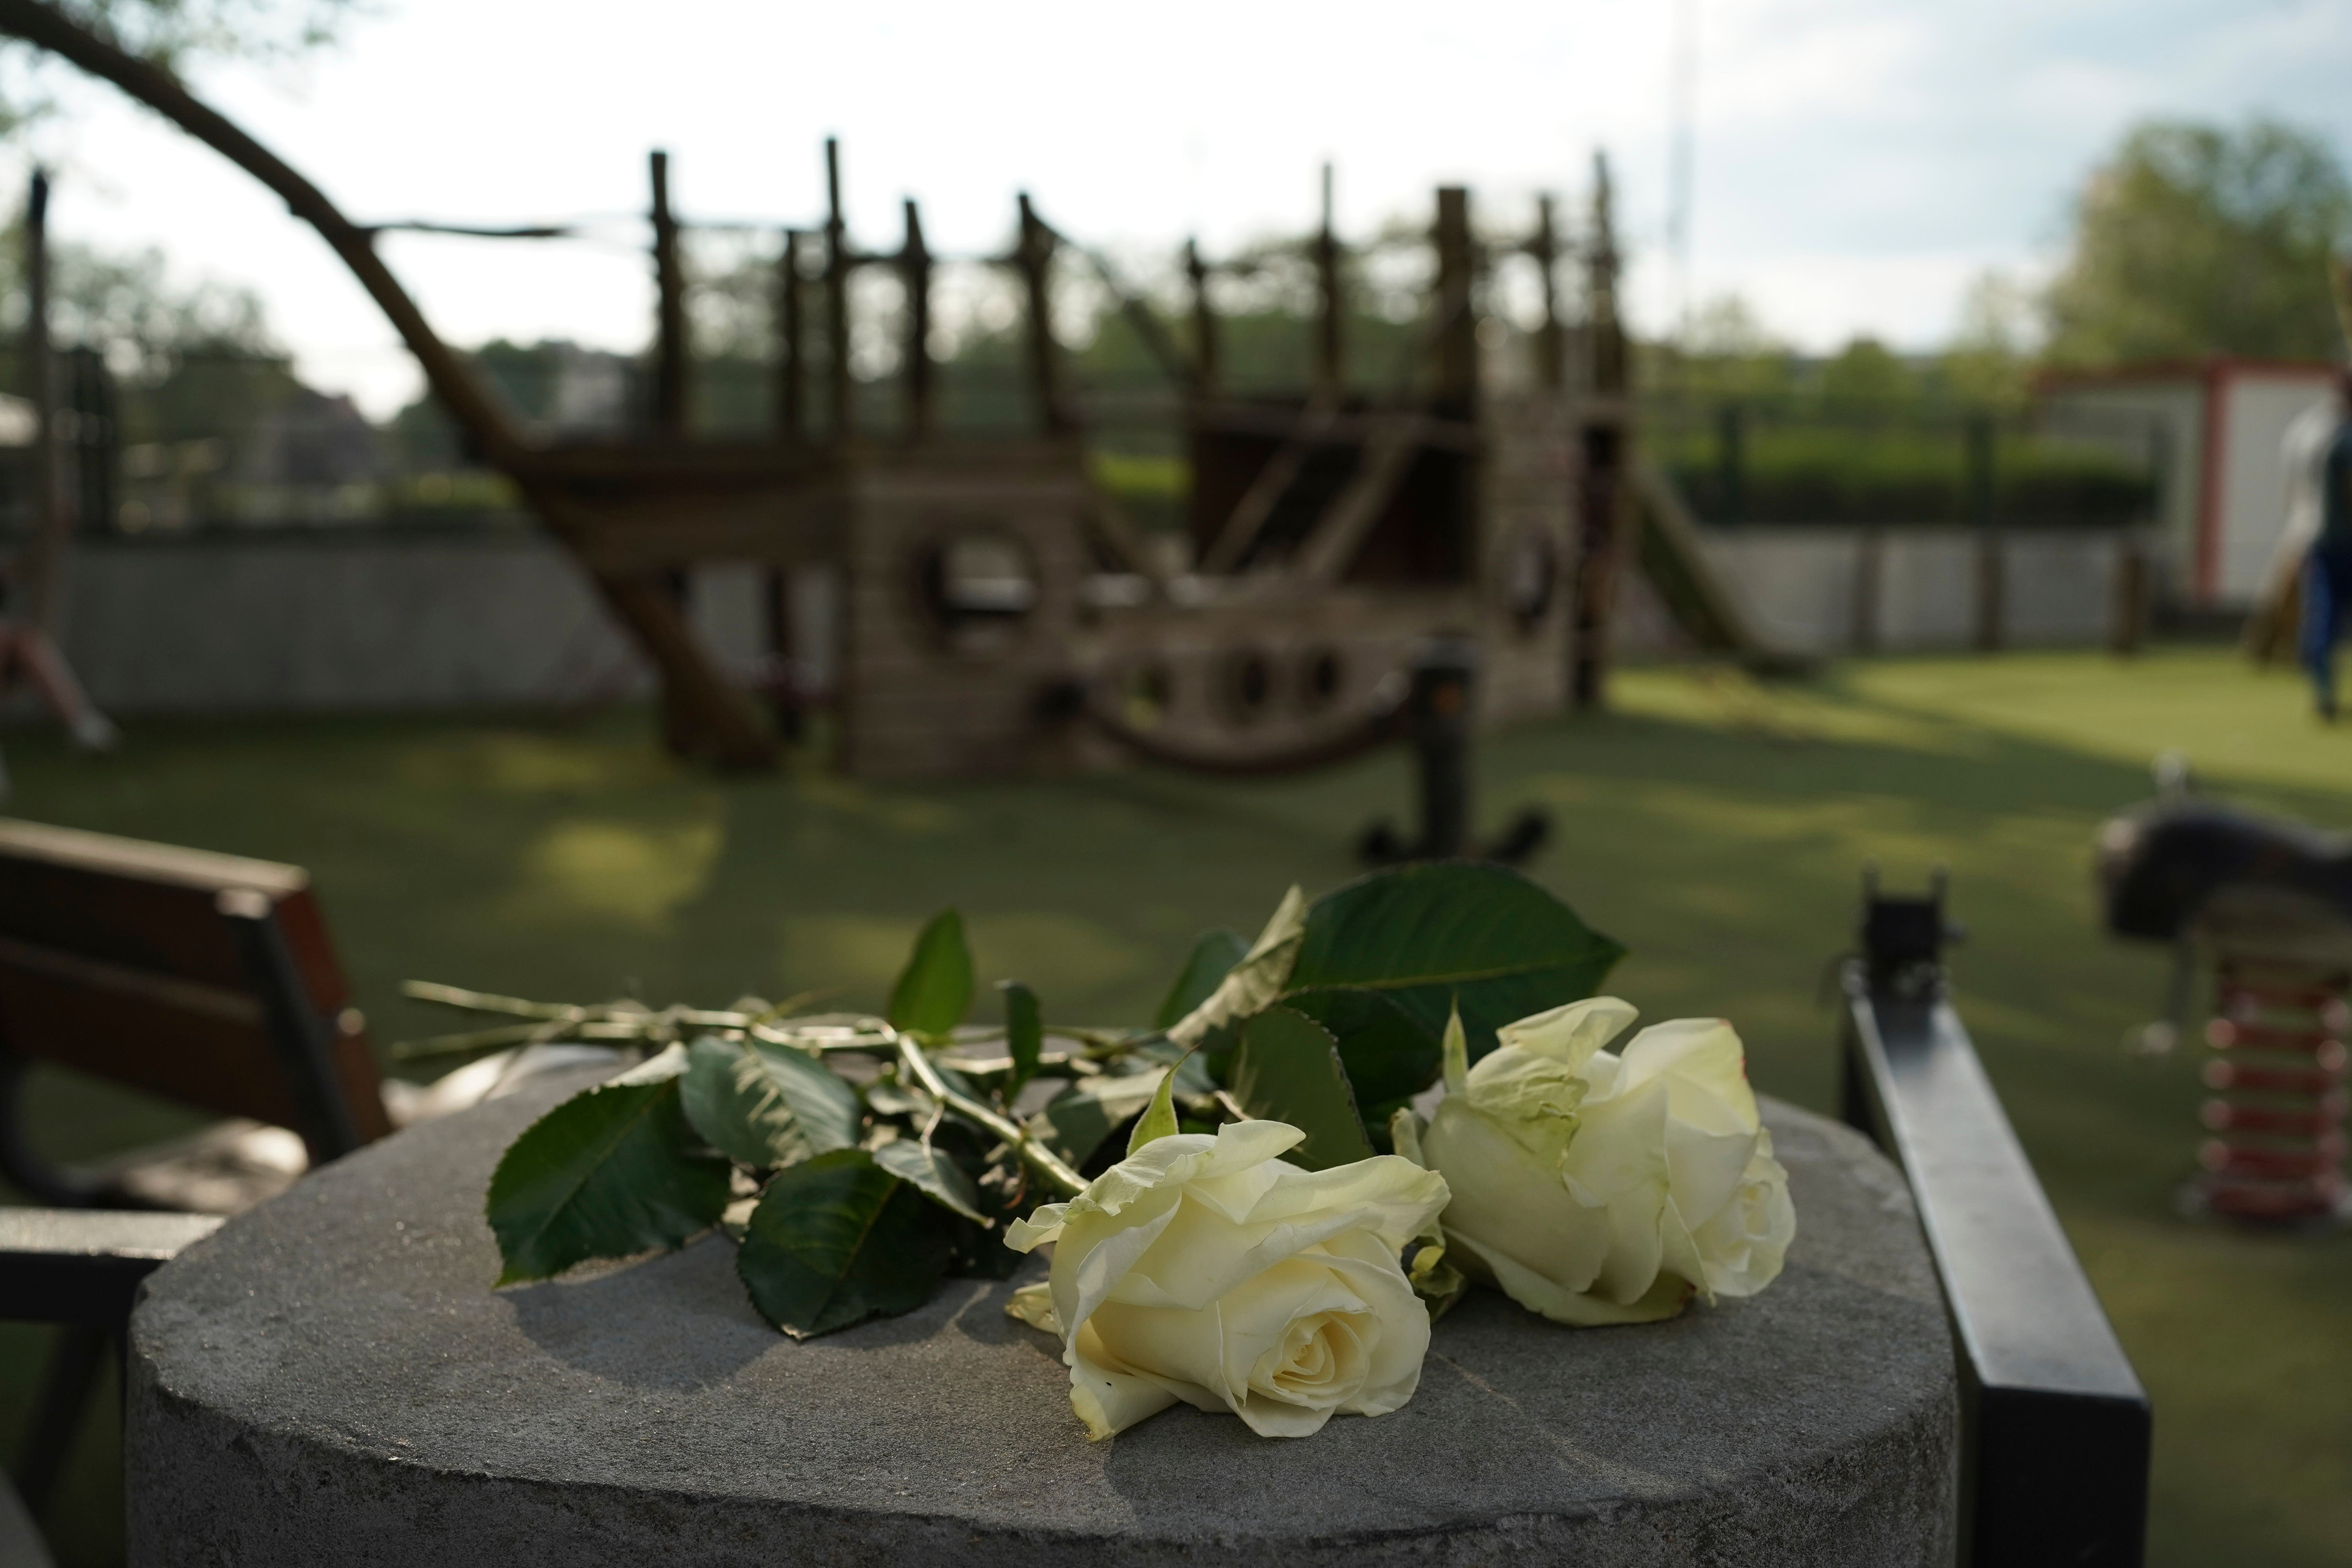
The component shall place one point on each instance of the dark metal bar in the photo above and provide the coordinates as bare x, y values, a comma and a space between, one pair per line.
669, 314
302, 1040
1440, 712
2055, 1424
80, 1268
1990, 588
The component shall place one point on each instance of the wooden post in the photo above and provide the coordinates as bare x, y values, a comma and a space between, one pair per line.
1990, 584
1457, 316
1551, 346
1204, 323
1035, 258
836, 300
792, 351
1605, 504
2127, 607
1329, 334
669, 311
916, 262
43, 563
1869, 583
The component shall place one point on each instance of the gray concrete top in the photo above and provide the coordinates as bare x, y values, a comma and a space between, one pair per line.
331, 1378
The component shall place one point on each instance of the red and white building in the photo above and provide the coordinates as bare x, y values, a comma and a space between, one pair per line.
2217, 427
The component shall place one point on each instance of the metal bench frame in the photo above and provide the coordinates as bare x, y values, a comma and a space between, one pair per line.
2054, 1425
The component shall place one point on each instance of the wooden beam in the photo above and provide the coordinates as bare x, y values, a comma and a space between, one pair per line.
1330, 305
669, 309
916, 263
1035, 256
1330, 546
836, 300
1551, 348
1456, 306
1205, 324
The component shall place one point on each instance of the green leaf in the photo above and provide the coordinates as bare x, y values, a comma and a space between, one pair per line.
1159, 1118
1212, 959
610, 1172
838, 1239
1076, 1120
1024, 1034
1388, 1056
763, 1105
1287, 1069
1424, 935
935, 987
933, 1175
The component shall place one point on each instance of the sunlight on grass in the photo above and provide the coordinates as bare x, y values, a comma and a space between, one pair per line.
1714, 825
613, 872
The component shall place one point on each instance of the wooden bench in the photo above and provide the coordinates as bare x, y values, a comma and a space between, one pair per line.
203, 978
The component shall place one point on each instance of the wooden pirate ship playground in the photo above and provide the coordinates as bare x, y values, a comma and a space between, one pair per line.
990, 608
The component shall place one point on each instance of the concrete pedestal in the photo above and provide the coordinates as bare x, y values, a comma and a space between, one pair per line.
331, 1379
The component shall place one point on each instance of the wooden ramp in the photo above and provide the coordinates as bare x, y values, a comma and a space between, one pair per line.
1701, 603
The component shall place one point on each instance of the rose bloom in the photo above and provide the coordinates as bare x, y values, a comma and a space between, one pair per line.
1595, 1187
1207, 1269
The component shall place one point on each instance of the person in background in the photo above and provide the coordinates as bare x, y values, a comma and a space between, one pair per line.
2319, 471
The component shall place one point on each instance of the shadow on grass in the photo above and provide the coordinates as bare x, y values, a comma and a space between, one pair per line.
1719, 832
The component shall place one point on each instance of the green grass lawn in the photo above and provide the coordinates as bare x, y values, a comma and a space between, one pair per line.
1715, 827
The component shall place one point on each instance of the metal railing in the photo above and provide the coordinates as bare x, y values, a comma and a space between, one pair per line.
2054, 1425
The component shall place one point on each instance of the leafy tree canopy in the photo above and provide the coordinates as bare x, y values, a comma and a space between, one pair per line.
2195, 240
173, 34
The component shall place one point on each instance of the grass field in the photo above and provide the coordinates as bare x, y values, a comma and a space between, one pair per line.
1715, 827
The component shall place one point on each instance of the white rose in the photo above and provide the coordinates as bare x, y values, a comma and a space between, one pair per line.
1596, 1188
1206, 1269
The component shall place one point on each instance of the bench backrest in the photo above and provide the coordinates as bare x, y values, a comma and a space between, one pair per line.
207, 979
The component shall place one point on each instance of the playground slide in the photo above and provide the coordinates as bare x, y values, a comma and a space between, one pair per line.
1701, 603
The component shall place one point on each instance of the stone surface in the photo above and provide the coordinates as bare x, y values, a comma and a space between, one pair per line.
331, 1379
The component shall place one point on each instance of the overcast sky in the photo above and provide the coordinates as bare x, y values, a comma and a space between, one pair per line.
1857, 161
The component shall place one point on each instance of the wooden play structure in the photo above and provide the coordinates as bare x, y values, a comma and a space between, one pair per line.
993, 610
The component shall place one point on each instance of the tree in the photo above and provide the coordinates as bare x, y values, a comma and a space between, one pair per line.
2196, 240
1866, 372
1991, 355
172, 34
